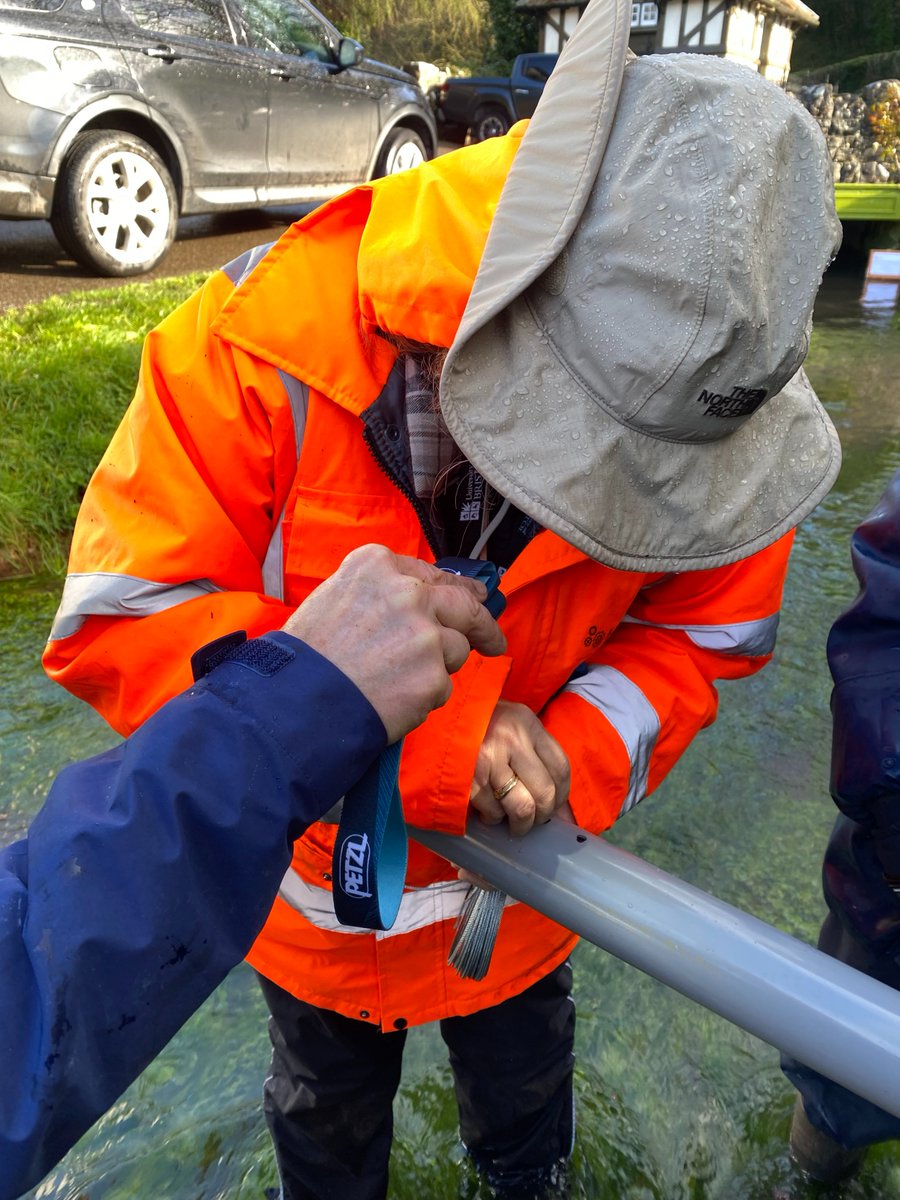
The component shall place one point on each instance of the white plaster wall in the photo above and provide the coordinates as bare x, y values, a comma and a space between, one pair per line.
671, 23
549, 36
693, 14
710, 35
549, 39
781, 43
744, 37
571, 21
713, 34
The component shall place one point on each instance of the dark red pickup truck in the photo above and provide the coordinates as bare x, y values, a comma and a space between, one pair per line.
487, 106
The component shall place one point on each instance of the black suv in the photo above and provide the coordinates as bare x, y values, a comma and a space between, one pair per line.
118, 116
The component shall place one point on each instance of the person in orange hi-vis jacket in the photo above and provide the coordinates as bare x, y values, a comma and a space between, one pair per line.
575, 350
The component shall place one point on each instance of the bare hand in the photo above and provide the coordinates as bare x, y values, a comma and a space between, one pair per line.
522, 773
398, 627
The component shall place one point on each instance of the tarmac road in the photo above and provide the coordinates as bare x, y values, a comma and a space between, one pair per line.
33, 265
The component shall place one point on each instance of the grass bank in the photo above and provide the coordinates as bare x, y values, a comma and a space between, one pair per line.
67, 372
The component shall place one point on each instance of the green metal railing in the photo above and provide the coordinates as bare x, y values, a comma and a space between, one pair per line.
867, 201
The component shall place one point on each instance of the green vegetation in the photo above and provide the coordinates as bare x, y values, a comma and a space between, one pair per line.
67, 372
848, 29
513, 33
445, 32
466, 34
852, 74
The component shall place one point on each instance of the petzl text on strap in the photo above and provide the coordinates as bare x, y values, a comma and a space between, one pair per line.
369, 861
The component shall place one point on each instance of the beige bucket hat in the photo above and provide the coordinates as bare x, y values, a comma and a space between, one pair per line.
627, 370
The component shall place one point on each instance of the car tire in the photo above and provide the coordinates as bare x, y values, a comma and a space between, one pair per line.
490, 121
115, 207
403, 148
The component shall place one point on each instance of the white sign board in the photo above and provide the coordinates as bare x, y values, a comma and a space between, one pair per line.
883, 264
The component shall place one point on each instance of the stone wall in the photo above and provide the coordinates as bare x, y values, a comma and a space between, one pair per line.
862, 129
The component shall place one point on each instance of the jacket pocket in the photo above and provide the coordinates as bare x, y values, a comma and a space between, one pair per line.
323, 527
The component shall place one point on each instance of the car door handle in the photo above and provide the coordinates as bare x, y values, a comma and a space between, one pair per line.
166, 53
522, 91
280, 73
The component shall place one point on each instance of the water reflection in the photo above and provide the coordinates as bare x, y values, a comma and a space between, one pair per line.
674, 1103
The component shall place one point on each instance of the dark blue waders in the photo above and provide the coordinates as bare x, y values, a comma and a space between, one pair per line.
861, 871
863, 929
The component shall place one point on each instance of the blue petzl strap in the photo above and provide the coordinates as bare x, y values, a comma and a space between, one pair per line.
368, 866
369, 863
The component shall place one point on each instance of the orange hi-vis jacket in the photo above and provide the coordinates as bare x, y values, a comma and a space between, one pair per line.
241, 476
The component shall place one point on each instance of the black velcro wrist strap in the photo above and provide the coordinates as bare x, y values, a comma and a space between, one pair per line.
215, 652
262, 655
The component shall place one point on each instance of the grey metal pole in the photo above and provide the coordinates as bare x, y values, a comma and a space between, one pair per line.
784, 991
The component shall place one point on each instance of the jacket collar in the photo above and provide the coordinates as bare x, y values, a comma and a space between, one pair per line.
397, 255
545, 553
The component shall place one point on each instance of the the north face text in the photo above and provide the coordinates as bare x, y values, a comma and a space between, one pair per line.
740, 403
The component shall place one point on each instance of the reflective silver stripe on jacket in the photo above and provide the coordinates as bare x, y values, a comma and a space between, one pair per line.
104, 594
632, 716
273, 565
241, 268
238, 271
419, 907
743, 637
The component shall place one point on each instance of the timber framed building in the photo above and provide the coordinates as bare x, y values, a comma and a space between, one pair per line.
758, 33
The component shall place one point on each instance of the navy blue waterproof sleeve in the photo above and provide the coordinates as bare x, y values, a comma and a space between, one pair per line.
864, 657
145, 878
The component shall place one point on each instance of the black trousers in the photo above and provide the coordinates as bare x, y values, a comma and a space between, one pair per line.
329, 1095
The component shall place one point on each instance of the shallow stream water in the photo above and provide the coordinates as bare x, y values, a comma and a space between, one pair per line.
673, 1102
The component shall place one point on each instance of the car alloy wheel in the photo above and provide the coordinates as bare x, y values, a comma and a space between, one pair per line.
402, 149
115, 209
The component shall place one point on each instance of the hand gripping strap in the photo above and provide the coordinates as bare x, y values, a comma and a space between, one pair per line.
369, 863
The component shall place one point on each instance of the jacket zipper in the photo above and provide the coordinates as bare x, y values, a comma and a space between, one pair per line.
404, 488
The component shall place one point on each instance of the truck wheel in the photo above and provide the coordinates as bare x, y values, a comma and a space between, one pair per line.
402, 149
115, 208
490, 121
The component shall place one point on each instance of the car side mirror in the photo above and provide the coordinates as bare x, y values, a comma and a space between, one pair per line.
350, 52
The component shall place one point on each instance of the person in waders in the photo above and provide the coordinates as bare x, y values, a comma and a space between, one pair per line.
832, 1127
575, 351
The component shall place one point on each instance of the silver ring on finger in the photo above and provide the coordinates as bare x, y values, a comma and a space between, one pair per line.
507, 787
